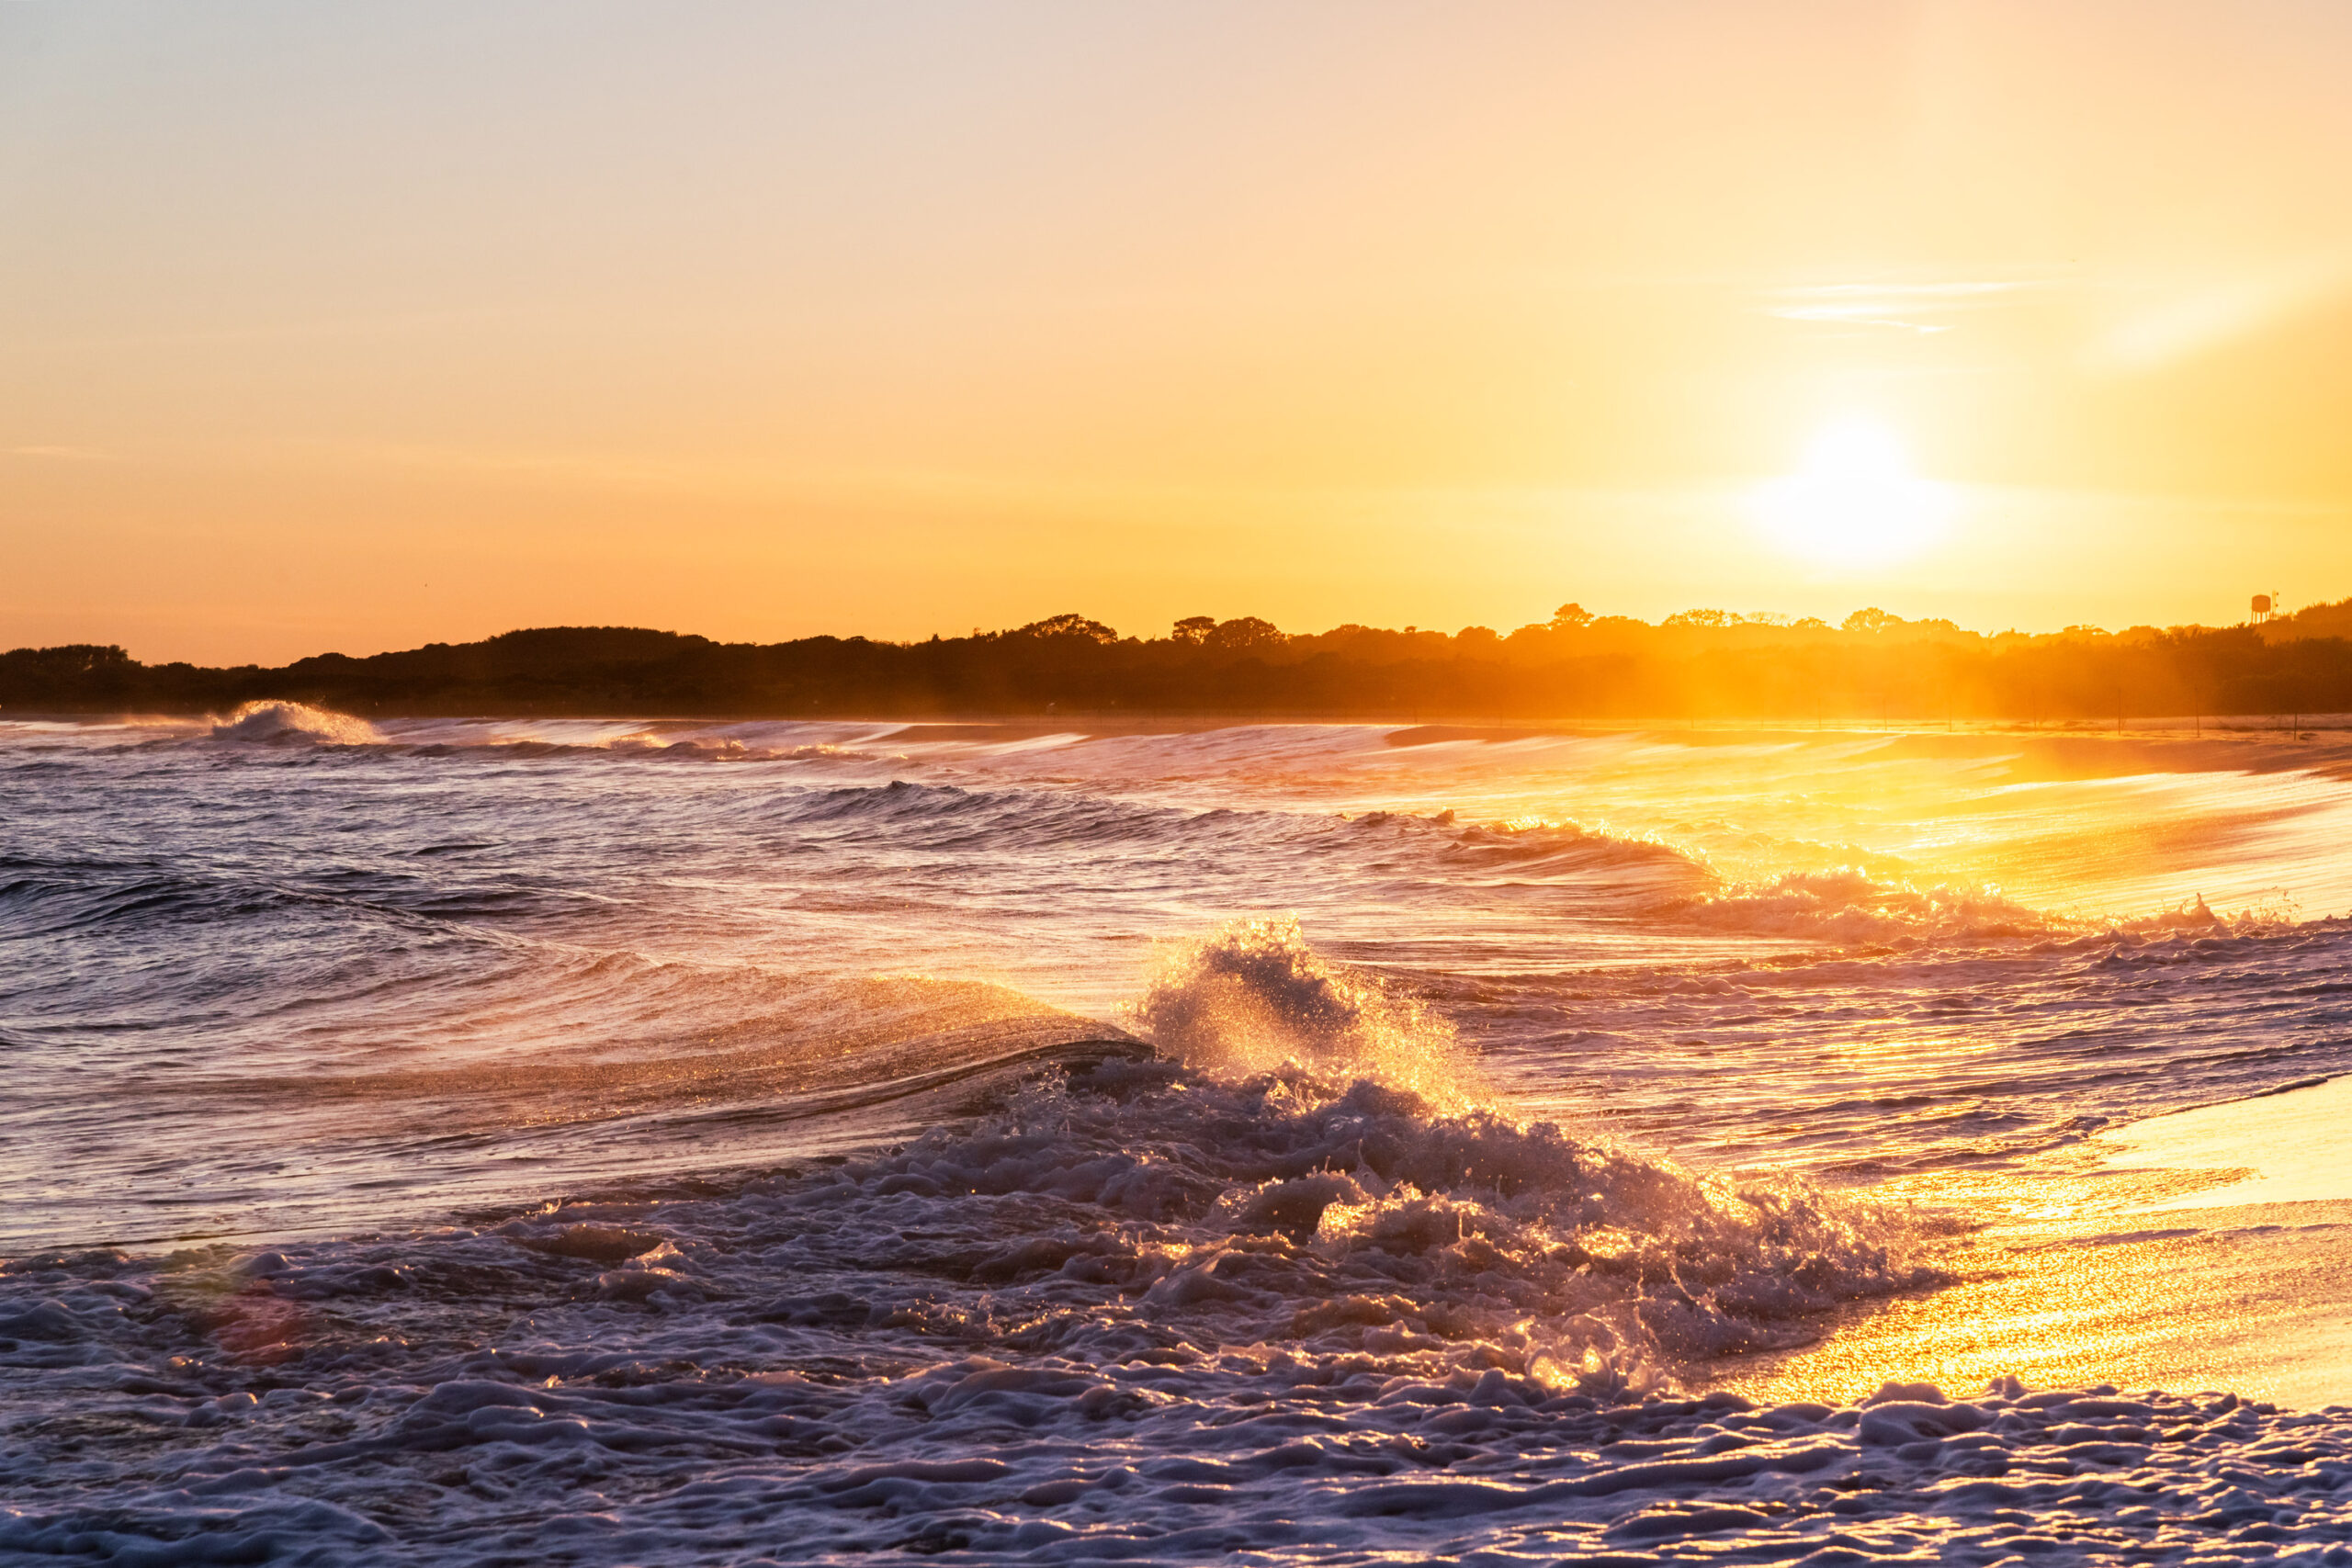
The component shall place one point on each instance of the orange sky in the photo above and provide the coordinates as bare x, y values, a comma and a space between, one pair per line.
359, 326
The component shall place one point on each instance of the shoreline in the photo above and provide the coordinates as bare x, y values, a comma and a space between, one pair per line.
2205, 1249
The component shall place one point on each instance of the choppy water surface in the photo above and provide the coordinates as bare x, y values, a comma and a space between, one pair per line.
615, 1142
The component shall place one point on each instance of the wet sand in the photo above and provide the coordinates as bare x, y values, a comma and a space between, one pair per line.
2207, 1249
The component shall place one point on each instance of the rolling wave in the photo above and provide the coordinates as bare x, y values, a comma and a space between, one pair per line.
295, 722
1848, 906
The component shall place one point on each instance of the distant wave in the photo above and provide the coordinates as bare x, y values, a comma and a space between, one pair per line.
1535, 850
2193, 916
1846, 905
1527, 852
283, 722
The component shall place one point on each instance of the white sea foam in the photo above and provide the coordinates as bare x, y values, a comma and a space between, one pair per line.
1141, 1315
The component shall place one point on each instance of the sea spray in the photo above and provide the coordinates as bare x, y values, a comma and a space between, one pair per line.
285, 721
1254, 997
1848, 904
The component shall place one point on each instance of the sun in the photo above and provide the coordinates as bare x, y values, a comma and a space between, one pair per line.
1855, 501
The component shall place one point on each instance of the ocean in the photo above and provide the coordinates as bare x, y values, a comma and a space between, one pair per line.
565, 1140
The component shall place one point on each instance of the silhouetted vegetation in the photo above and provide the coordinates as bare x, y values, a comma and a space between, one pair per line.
1698, 664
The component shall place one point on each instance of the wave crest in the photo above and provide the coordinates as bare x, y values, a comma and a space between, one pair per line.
1845, 904
1253, 998
295, 722
1848, 906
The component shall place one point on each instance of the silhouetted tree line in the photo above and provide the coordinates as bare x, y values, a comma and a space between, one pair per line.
1698, 664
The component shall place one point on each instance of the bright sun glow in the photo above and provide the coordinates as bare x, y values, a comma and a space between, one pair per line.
1856, 501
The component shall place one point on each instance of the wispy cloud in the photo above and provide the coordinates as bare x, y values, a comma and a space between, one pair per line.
1920, 308
2198, 319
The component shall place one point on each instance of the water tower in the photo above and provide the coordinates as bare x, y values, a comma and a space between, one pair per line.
2265, 606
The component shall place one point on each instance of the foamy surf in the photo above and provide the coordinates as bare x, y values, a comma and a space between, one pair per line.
1137, 1316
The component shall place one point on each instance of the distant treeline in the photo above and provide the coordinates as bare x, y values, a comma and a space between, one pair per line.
1699, 664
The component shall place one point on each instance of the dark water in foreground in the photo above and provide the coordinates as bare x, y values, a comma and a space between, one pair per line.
779, 1141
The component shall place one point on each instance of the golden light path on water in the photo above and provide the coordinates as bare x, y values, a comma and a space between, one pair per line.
2201, 1249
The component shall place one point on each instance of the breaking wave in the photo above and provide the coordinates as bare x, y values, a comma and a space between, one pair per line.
1848, 904
1253, 998
1353, 1218
1300, 1218
283, 721
2193, 916
1323, 1104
